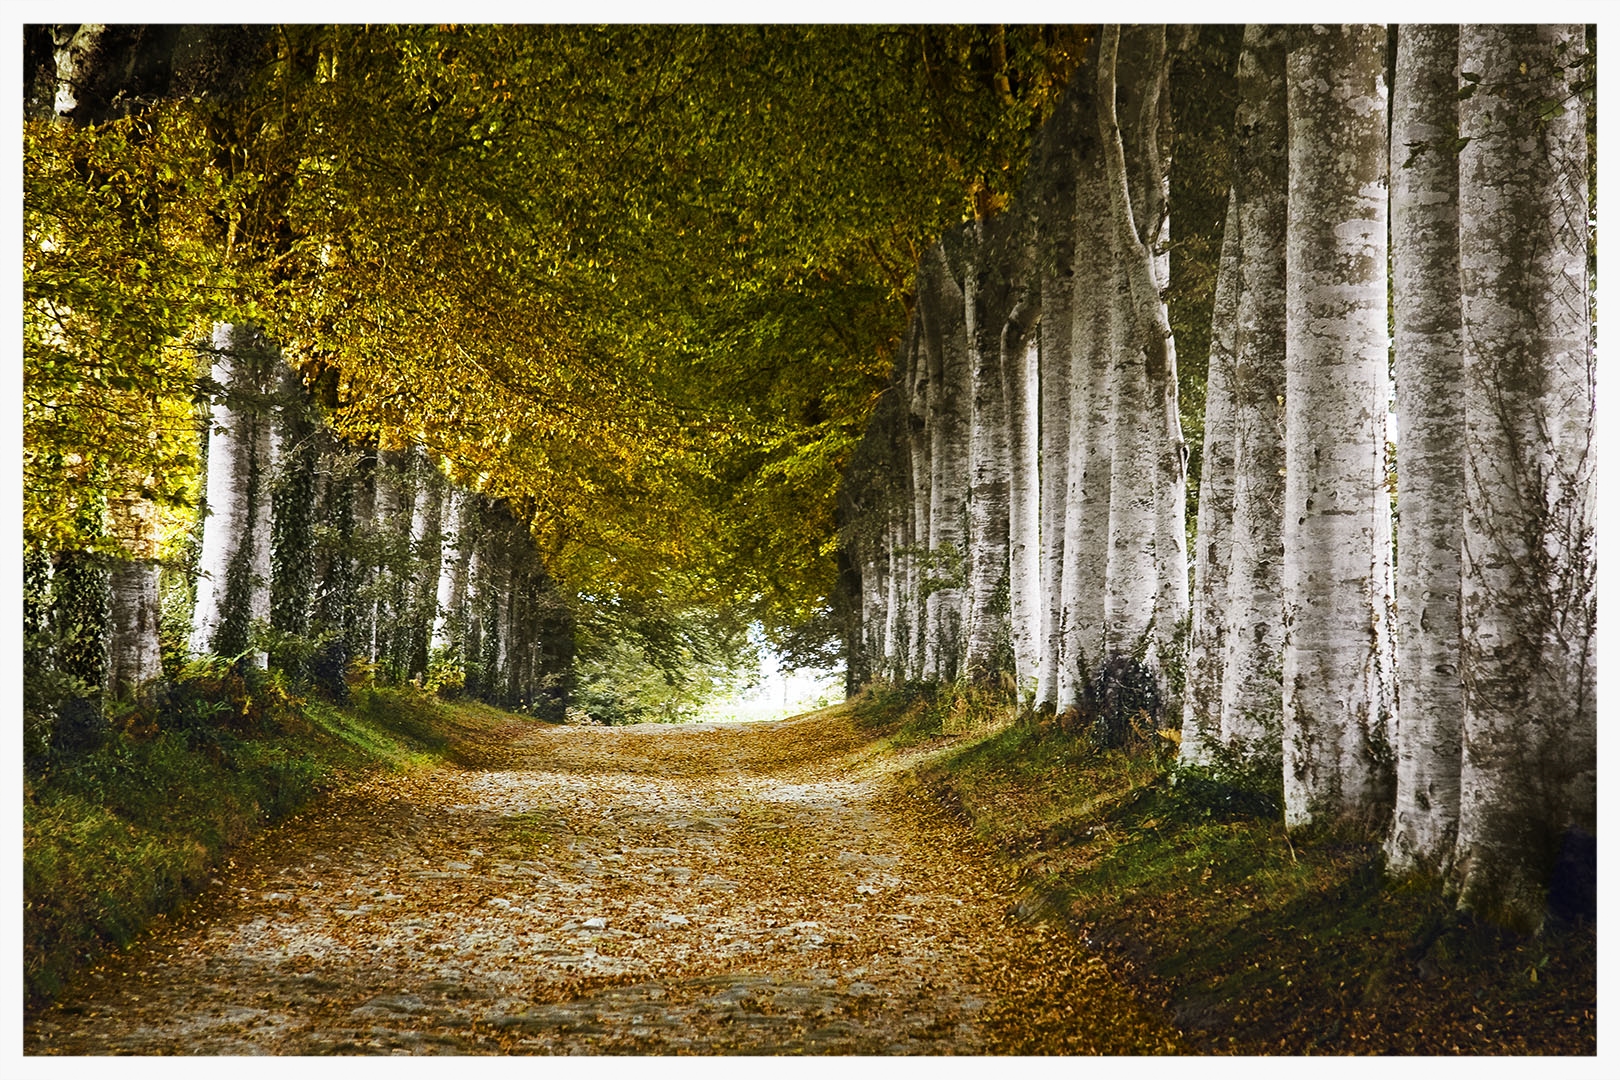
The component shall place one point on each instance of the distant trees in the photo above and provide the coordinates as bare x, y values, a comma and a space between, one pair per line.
1289, 659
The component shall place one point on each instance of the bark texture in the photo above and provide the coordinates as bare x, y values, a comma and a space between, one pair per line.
1147, 568
1428, 371
1529, 603
233, 585
1251, 689
1337, 684
1086, 511
1206, 644
945, 341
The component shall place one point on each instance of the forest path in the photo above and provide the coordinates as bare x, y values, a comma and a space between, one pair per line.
715, 888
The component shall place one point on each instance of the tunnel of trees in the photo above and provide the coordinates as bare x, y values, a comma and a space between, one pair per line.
1068, 363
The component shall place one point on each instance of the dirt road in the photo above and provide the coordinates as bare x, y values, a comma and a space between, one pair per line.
760, 888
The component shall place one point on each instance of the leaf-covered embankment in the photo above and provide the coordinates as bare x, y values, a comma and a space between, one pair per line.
1254, 942
121, 833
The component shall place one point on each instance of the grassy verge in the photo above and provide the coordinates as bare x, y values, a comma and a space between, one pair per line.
133, 827
1253, 941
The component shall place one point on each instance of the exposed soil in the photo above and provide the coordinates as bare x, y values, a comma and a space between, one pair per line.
761, 888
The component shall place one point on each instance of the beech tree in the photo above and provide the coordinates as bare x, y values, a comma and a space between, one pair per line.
1147, 567
1206, 644
1251, 688
1338, 692
1529, 603
1428, 371
233, 583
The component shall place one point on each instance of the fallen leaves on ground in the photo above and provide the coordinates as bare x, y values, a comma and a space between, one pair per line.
716, 888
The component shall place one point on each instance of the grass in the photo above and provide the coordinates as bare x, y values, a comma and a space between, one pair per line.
1253, 941
118, 834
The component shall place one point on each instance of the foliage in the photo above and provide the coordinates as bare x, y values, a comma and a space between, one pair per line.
120, 833
120, 267
640, 663
1301, 945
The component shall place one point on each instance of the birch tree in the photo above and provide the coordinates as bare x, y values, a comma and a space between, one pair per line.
940, 307
1147, 568
986, 302
1428, 371
1251, 688
1086, 511
1206, 646
1057, 235
233, 584
1529, 604
1337, 687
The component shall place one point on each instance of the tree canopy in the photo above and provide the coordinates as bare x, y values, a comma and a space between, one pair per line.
644, 283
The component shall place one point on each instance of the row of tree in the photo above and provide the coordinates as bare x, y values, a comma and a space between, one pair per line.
311, 554
1016, 511
594, 269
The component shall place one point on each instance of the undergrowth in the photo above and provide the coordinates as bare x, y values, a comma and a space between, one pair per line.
1252, 940
134, 823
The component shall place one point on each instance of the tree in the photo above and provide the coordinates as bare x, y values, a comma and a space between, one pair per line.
1428, 370
1147, 568
1251, 690
1206, 644
1529, 604
233, 584
1338, 699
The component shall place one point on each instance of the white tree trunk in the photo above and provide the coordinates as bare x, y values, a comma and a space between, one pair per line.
919, 444
989, 453
1086, 510
1337, 687
233, 587
1020, 375
1206, 646
451, 592
133, 655
941, 307
1052, 379
1147, 569
1529, 604
1251, 690
1428, 371
73, 48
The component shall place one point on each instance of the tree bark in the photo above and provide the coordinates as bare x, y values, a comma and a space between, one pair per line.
233, 586
985, 303
1206, 646
1086, 510
1529, 604
1251, 688
1147, 569
940, 305
1428, 371
1337, 687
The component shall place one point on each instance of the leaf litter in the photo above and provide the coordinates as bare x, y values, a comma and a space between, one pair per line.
779, 888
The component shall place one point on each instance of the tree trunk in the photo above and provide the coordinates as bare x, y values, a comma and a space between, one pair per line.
1054, 359
1087, 503
1251, 690
1147, 568
986, 303
1019, 348
1206, 646
233, 585
450, 594
1529, 604
1337, 686
134, 657
1428, 371
940, 305
919, 442
427, 548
